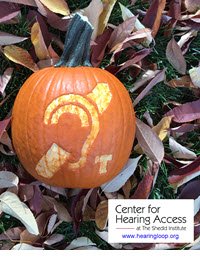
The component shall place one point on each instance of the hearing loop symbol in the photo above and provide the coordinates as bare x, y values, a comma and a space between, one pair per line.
75, 104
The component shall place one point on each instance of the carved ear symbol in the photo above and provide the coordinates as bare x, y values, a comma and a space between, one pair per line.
102, 96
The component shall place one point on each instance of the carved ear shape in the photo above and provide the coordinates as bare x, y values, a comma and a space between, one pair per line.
101, 95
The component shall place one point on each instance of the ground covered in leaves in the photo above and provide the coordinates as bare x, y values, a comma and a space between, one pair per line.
153, 48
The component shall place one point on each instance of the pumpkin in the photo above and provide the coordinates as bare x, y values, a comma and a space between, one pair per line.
73, 125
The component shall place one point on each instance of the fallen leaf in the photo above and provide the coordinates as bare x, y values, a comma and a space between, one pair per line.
117, 182
126, 13
47, 63
187, 112
137, 57
184, 128
3, 125
7, 38
159, 77
58, 6
42, 221
152, 18
8, 179
182, 175
175, 56
62, 212
186, 40
196, 205
93, 12
191, 190
101, 214
195, 76
35, 202
179, 151
163, 127
52, 53
105, 15
52, 222
146, 76
8, 12
80, 242
121, 32
175, 9
54, 239
149, 142
11, 234
11, 205
38, 42
144, 188
20, 56
24, 246
24, 2
5, 78
6, 141
98, 49
184, 81
192, 5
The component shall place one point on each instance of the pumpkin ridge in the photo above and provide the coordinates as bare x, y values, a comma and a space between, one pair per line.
26, 120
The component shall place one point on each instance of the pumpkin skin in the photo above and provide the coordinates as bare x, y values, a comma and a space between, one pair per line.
73, 127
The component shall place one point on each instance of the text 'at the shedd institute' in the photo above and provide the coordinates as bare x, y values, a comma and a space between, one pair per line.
154, 221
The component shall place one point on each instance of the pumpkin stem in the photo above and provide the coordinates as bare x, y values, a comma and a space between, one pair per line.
77, 43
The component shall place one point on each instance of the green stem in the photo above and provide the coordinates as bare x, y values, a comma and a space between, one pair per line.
77, 43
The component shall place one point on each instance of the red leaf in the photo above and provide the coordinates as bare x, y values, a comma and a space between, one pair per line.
24, 2
3, 125
121, 32
98, 50
153, 16
175, 9
191, 190
144, 188
8, 11
137, 57
157, 79
175, 56
185, 113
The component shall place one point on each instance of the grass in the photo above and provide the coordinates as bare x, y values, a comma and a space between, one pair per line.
153, 103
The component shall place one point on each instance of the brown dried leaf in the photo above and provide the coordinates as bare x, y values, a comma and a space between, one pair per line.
144, 188
153, 16
121, 32
20, 56
101, 214
38, 42
105, 15
184, 81
24, 2
149, 142
3, 125
63, 213
175, 56
58, 6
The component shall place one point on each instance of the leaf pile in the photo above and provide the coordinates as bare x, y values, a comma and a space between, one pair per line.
124, 48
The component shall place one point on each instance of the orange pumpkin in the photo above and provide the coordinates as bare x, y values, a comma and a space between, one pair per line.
73, 126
